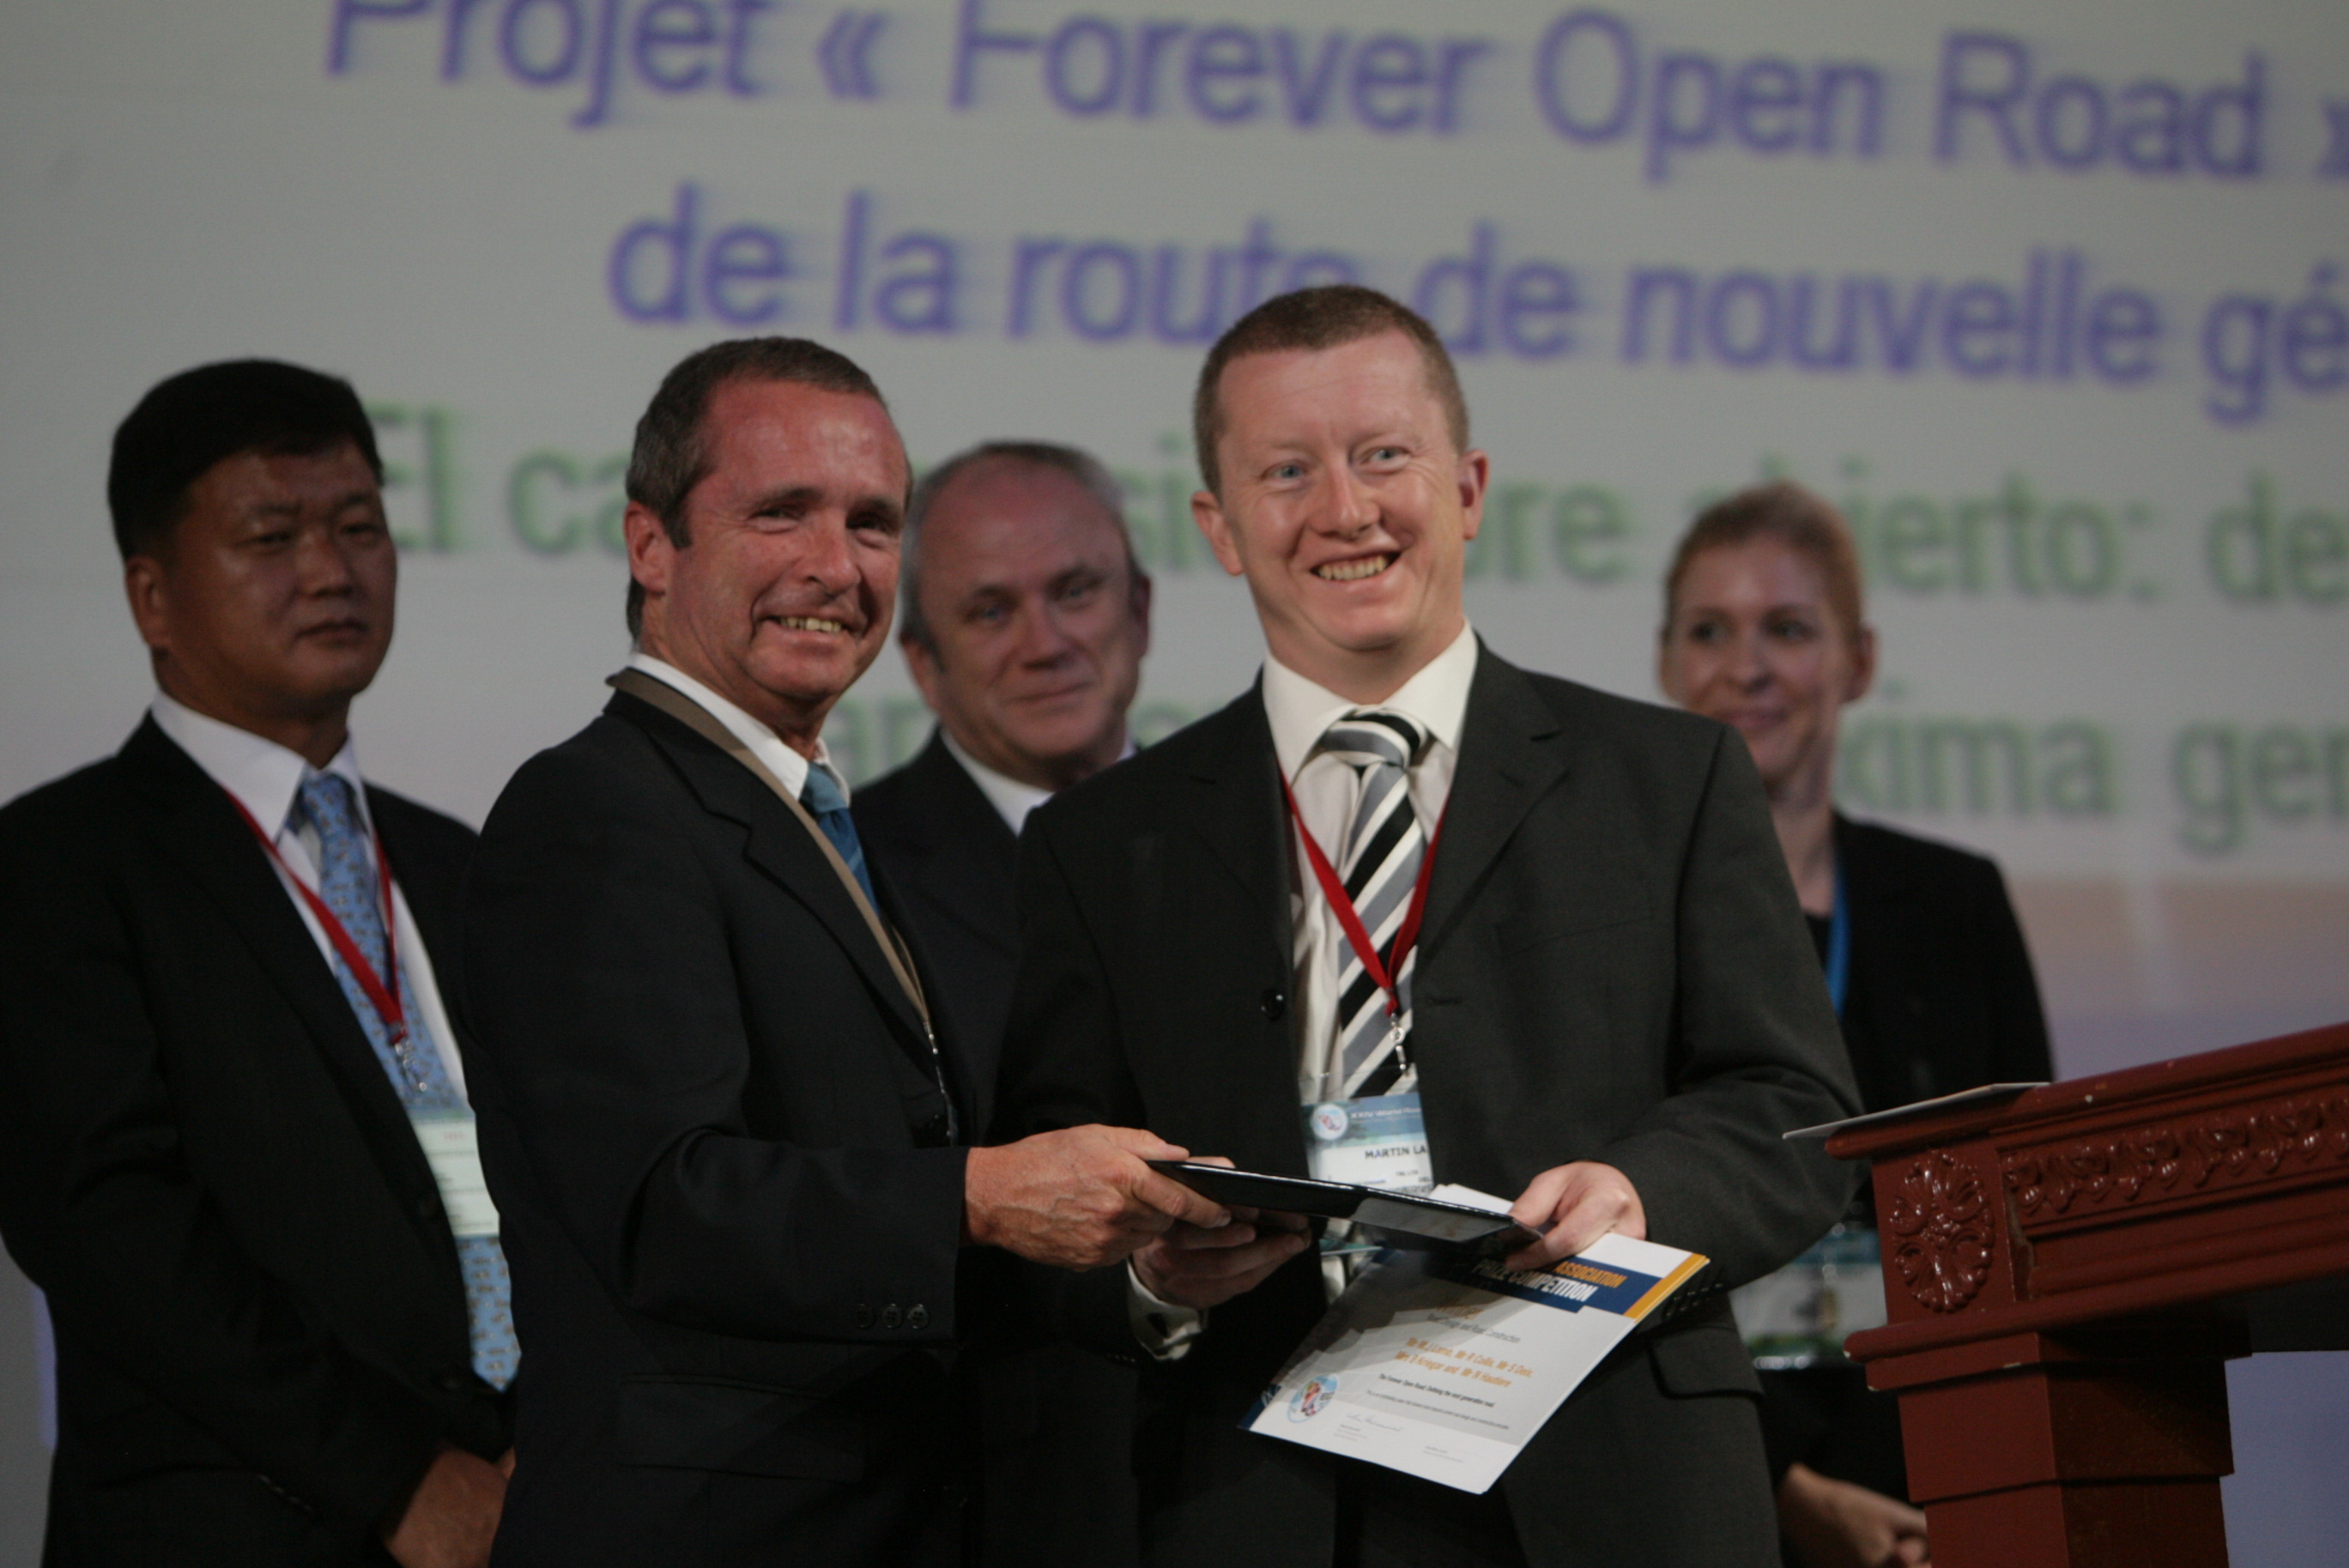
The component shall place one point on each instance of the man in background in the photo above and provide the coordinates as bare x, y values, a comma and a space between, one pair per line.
1026, 619
234, 1145
734, 1140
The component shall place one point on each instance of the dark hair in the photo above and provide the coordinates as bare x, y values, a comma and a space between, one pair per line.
671, 454
1326, 317
191, 421
1786, 511
913, 627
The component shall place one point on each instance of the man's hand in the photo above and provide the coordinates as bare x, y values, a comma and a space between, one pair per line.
1832, 1523
1078, 1198
453, 1516
1579, 1203
1196, 1268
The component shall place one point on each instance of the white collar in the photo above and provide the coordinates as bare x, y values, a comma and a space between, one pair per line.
1012, 799
785, 764
1437, 696
260, 775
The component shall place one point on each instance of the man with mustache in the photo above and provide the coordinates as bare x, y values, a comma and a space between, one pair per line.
1580, 965
729, 1128
1024, 620
235, 1146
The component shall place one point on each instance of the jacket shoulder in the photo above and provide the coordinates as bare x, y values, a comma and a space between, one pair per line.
1631, 720
1141, 786
95, 790
1910, 857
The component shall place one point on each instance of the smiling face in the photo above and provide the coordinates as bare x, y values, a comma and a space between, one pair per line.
270, 605
1346, 507
1037, 618
1755, 642
783, 593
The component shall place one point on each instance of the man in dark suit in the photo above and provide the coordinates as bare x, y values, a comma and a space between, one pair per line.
1610, 1011
730, 1138
233, 1141
1026, 618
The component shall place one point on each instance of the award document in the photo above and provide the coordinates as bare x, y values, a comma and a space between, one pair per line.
1444, 1366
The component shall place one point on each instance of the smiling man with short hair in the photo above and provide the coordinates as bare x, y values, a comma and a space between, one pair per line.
1609, 1015
732, 1133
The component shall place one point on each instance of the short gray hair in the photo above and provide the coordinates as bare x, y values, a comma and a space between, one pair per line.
1081, 466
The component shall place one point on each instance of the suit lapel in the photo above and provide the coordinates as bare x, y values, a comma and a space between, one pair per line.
198, 829
780, 847
1512, 751
1239, 811
969, 853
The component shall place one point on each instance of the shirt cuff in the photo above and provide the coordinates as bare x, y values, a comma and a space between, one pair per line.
1164, 1330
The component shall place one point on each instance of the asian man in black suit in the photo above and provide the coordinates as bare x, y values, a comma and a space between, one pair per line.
1025, 618
281, 1326
1610, 1013
731, 1136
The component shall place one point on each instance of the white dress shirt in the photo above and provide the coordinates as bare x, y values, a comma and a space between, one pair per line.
265, 778
1012, 799
1301, 712
781, 760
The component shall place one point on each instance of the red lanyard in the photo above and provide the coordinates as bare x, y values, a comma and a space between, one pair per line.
382, 991
1350, 919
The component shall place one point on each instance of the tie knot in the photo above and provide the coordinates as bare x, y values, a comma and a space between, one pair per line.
1374, 736
325, 799
821, 793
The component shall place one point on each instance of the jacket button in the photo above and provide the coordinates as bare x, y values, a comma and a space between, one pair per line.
1272, 1004
890, 1316
863, 1316
918, 1316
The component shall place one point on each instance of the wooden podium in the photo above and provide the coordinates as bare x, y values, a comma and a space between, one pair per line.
2067, 1272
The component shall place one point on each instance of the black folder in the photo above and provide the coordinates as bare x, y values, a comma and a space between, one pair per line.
1400, 1219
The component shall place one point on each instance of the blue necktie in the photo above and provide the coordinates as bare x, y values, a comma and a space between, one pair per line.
825, 802
347, 883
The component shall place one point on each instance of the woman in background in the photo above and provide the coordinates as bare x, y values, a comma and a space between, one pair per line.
1764, 630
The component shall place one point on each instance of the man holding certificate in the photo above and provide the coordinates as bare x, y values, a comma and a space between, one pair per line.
1405, 914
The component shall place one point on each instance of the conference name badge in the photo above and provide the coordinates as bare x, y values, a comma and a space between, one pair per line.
1379, 1141
453, 1150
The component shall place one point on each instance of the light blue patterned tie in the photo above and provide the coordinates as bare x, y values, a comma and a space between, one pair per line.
825, 801
347, 883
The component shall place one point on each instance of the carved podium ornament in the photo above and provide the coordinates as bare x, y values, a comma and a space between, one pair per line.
1942, 1222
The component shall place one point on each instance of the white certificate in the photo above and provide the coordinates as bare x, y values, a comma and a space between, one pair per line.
1446, 1368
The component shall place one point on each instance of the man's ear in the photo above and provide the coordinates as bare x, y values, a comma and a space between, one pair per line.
1137, 602
922, 664
651, 555
1208, 513
1475, 475
145, 583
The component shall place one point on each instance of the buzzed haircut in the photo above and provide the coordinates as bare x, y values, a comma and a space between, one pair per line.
672, 450
188, 422
1804, 522
913, 626
1312, 319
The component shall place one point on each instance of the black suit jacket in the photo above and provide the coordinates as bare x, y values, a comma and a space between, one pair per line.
951, 858
709, 1118
261, 1329
1941, 996
1055, 1423
1612, 967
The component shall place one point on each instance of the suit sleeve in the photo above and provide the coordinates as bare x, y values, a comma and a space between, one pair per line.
1755, 1051
606, 1002
1064, 1065
139, 1267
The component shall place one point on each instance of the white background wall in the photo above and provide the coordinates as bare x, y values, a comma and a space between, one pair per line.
2088, 418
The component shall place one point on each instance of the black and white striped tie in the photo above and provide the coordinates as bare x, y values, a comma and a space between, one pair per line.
1378, 864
